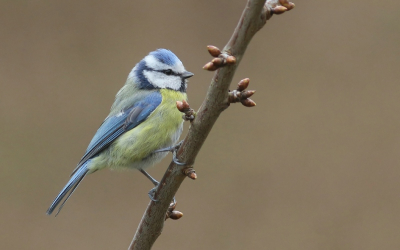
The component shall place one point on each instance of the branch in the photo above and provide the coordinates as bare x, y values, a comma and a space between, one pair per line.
218, 98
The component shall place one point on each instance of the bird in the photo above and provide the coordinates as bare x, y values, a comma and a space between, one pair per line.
143, 124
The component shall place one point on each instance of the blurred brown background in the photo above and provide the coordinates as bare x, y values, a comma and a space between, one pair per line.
315, 165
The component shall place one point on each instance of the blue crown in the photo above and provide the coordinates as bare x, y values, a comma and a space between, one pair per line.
165, 56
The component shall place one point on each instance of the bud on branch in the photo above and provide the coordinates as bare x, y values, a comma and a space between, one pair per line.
220, 60
241, 94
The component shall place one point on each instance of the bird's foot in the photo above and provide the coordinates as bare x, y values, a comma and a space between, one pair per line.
172, 149
152, 192
176, 161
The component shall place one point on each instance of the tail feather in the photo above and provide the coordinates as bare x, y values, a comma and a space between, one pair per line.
69, 188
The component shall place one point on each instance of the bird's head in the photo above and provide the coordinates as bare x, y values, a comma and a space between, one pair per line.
161, 69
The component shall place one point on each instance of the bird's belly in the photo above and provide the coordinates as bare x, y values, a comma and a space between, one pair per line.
153, 158
135, 149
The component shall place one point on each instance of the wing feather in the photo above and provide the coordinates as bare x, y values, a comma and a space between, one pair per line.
115, 126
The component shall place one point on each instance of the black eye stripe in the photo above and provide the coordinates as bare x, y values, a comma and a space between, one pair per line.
168, 72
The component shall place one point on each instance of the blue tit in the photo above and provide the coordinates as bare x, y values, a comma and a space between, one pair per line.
142, 120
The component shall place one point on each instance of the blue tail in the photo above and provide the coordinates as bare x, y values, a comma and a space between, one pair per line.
73, 183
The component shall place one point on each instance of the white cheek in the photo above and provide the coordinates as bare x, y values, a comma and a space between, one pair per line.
163, 81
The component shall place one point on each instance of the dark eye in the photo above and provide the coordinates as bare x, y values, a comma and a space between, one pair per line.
168, 72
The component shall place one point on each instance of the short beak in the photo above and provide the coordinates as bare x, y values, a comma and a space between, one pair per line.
187, 75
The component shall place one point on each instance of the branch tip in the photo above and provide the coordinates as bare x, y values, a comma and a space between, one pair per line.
287, 4
172, 206
210, 67
279, 10
248, 93
230, 60
243, 84
214, 51
217, 61
241, 94
191, 173
175, 215
279, 6
248, 103
220, 60
183, 106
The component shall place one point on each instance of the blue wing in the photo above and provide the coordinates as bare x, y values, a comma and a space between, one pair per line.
115, 126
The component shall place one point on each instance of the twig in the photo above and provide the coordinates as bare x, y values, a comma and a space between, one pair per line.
253, 18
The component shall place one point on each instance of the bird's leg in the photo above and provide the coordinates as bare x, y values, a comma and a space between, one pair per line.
172, 149
169, 149
153, 190
154, 181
